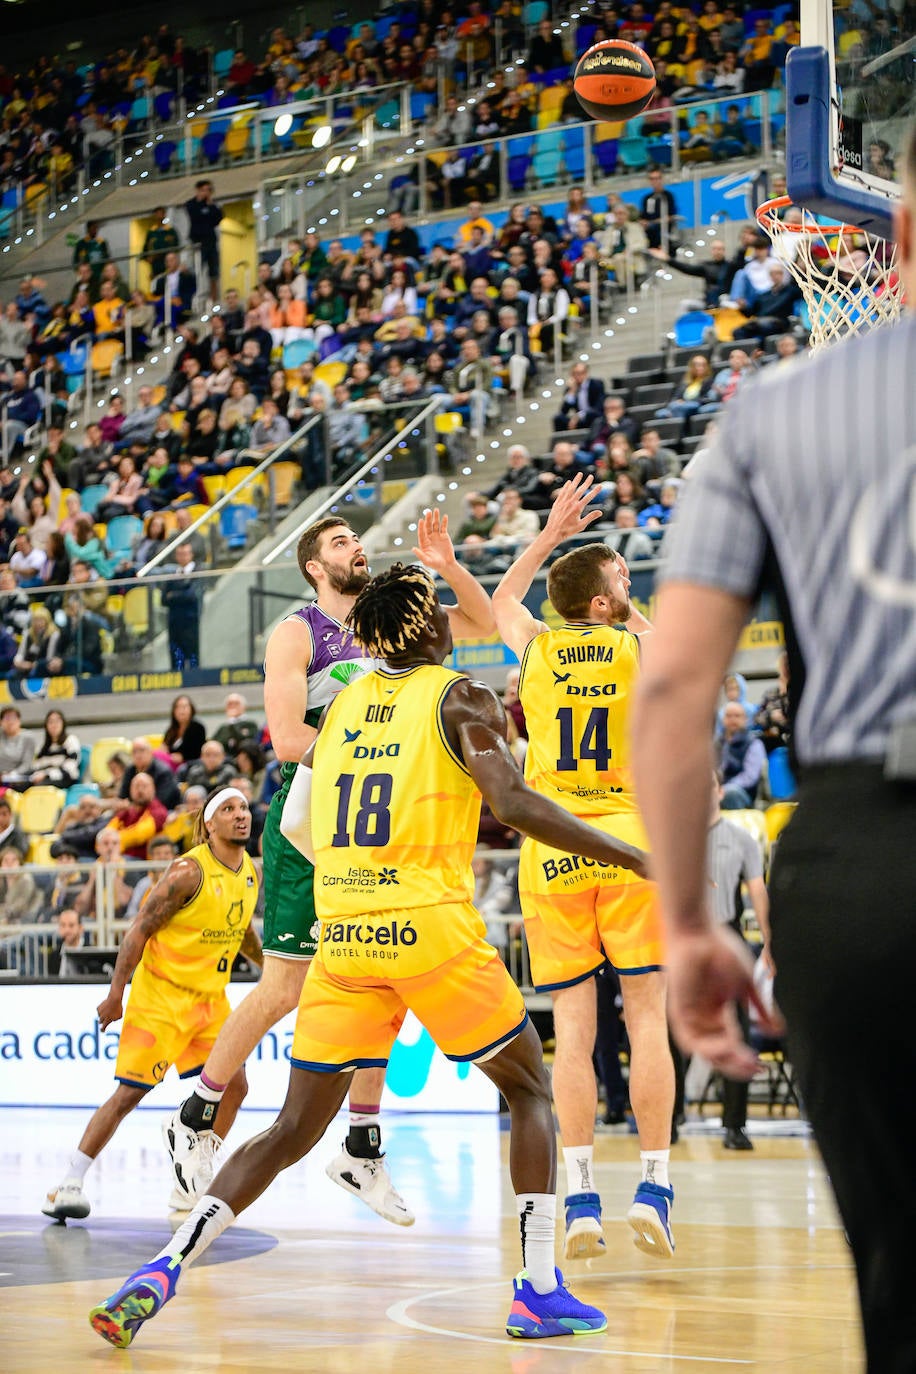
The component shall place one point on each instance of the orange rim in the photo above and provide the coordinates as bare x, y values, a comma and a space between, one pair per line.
767, 214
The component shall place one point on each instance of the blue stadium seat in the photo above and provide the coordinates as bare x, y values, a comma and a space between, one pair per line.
222, 61
534, 11
163, 105
574, 152
606, 155
234, 520
163, 153
585, 37
633, 152
297, 353
690, 328
81, 789
212, 145
121, 533
92, 497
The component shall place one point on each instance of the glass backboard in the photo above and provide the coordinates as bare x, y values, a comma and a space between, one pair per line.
852, 106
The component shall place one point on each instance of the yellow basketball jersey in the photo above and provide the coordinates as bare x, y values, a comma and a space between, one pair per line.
394, 811
196, 948
576, 685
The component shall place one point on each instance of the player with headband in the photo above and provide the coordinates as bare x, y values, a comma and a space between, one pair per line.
179, 949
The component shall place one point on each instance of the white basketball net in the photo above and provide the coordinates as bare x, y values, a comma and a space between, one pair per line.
848, 278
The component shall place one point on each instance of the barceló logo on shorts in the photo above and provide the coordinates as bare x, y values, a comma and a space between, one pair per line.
573, 863
385, 933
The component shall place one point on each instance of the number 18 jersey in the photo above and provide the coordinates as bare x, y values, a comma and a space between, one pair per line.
576, 688
395, 812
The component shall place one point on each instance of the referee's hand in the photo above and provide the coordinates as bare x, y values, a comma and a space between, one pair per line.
708, 972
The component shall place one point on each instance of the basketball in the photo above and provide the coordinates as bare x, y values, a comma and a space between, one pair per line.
614, 80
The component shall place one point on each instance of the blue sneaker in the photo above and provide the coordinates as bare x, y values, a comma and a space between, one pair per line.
534, 1315
584, 1236
650, 1218
119, 1318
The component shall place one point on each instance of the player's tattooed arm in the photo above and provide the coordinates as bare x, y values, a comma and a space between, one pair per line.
178, 884
251, 947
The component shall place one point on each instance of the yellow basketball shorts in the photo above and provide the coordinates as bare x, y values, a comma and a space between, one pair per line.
165, 1025
469, 1005
578, 911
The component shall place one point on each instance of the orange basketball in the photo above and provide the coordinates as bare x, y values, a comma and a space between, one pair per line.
614, 80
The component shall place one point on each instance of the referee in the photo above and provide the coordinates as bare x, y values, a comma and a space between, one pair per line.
810, 490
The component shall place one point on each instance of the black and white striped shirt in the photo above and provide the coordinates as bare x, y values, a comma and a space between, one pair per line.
810, 488
732, 857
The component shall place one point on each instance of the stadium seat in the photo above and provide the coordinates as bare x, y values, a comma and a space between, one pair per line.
777, 817
122, 531
235, 477
212, 145
633, 152
782, 780
39, 809
85, 755
81, 789
330, 373
690, 328
222, 61
154, 741
102, 751
297, 353
163, 152
534, 11
135, 612
214, 486
237, 140
284, 477
40, 850
92, 497
163, 106
234, 520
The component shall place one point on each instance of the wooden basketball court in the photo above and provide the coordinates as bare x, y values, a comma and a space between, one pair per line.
313, 1281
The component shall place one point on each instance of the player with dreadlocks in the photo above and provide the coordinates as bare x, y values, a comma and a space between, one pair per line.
400, 762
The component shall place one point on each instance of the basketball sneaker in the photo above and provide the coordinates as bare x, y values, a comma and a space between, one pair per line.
534, 1315
650, 1218
67, 1202
584, 1236
193, 1158
370, 1180
119, 1318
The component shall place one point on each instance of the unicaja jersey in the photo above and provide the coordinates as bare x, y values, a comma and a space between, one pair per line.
576, 686
336, 658
396, 813
196, 948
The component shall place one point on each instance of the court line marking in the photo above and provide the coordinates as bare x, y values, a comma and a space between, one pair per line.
398, 1313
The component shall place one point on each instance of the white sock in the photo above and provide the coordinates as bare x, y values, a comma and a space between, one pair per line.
655, 1167
537, 1219
364, 1118
78, 1166
579, 1175
208, 1091
209, 1219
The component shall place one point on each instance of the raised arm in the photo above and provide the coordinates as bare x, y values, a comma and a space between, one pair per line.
286, 665
175, 888
476, 721
568, 517
472, 618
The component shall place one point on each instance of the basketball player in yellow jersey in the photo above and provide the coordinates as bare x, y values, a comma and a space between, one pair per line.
180, 950
400, 762
576, 687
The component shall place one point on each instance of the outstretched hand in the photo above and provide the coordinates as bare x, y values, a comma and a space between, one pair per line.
434, 546
568, 514
708, 972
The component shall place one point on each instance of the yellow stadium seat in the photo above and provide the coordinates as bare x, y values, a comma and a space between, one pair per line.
135, 611
62, 508
330, 373
105, 354
39, 809
777, 817
178, 420
214, 485
101, 529
726, 321
197, 511
40, 849
159, 394
237, 140
448, 422
285, 476
236, 476
102, 751
114, 605
155, 741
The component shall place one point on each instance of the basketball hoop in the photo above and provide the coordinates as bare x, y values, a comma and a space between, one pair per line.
848, 278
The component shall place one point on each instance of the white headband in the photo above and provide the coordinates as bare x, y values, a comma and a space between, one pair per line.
222, 796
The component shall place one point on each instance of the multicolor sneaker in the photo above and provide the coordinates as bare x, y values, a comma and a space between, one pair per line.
650, 1218
534, 1315
119, 1318
584, 1236
370, 1180
67, 1202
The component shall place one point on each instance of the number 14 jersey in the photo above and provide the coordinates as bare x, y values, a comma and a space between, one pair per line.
576, 688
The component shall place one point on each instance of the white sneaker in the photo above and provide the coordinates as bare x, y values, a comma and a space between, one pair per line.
193, 1158
369, 1180
67, 1201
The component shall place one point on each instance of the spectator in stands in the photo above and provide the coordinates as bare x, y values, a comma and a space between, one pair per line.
14, 604
564, 465
204, 216
583, 400
658, 213
79, 649
752, 278
756, 56
717, 273
127, 493
546, 51
143, 760
57, 451
481, 558
11, 837
175, 287
728, 379
479, 519
185, 734
108, 854
772, 309
21, 408
470, 382
691, 391
15, 337
161, 238
771, 718
402, 241
271, 430
613, 420
20, 897
453, 125
653, 460
510, 351
160, 851
57, 762
520, 474
624, 537
136, 824
237, 726
26, 562
93, 460
514, 527
38, 645
742, 758
91, 249
70, 937
182, 595
548, 310
657, 515
212, 769
140, 424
